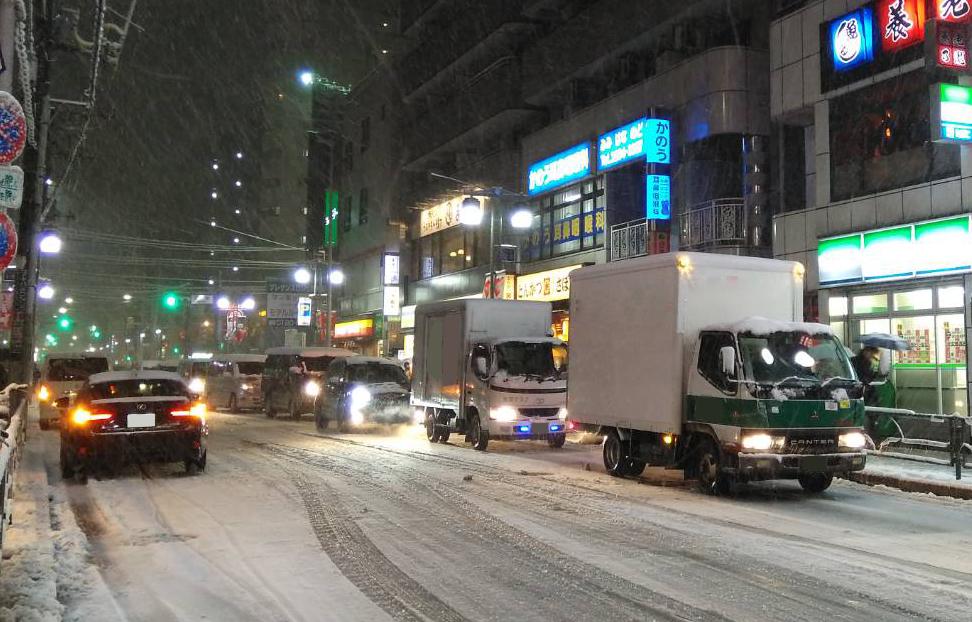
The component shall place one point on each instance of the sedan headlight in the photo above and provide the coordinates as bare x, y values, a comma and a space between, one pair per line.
562, 413
852, 440
360, 397
503, 413
245, 387
761, 441
312, 389
197, 385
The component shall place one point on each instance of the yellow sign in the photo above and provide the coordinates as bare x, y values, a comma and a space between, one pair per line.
545, 286
440, 217
354, 328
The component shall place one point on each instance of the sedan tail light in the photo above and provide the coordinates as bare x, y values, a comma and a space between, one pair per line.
43, 393
83, 416
197, 410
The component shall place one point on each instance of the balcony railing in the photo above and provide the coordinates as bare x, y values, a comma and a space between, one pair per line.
713, 223
637, 238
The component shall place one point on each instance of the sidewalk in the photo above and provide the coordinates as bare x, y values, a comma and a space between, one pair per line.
912, 476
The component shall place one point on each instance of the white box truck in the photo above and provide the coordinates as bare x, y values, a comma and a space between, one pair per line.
701, 361
489, 369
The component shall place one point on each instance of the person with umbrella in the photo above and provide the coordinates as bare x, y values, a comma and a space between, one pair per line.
877, 390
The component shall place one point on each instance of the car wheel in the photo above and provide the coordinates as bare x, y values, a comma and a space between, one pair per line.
67, 466
81, 475
44, 424
233, 405
201, 463
815, 483
557, 441
268, 407
192, 467
478, 437
712, 481
321, 422
294, 410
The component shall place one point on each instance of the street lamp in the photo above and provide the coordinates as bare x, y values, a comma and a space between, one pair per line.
248, 303
522, 218
306, 77
127, 297
46, 292
336, 277
50, 243
302, 276
223, 303
471, 212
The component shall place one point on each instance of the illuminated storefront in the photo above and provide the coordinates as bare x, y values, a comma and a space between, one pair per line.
909, 281
551, 286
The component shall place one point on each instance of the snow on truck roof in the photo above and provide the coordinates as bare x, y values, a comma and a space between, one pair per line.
241, 358
309, 352
764, 326
361, 360
134, 374
697, 260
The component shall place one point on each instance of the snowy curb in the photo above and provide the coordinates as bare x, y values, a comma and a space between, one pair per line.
912, 485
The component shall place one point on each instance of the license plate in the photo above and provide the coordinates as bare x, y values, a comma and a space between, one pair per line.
141, 420
813, 464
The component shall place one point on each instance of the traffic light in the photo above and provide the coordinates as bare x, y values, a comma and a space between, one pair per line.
170, 300
65, 323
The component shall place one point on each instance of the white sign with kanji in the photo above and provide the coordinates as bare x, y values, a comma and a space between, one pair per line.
11, 187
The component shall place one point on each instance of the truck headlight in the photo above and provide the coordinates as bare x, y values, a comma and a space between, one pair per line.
197, 386
562, 413
245, 387
356, 417
312, 389
852, 440
761, 441
360, 397
503, 413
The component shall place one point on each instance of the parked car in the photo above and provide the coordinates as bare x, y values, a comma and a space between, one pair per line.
195, 372
361, 389
234, 380
61, 375
293, 378
133, 416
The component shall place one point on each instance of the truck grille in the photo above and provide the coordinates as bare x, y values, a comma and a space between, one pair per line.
538, 412
810, 442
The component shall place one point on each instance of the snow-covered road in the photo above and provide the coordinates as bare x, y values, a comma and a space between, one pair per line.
287, 524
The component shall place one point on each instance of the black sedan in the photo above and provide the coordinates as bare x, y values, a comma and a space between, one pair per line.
364, 389
133, 416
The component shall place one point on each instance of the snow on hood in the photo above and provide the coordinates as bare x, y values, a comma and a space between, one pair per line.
763, 326
509, 381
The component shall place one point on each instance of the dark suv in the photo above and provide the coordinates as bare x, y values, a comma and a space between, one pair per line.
363, 389
293, 378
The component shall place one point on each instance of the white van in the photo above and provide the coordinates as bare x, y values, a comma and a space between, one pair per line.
235, 380
62, 374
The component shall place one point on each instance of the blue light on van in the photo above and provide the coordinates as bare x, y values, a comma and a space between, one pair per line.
523, 428
556, 427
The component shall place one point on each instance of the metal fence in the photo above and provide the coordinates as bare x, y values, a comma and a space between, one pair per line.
951, 434
11, 450
720, 221
637, 238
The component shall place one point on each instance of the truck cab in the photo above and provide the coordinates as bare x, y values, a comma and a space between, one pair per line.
780, 400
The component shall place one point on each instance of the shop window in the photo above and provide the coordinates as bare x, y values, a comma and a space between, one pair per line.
872, 303
880, 139
915, 300
837, 306
951, 296
453, 250
951, 339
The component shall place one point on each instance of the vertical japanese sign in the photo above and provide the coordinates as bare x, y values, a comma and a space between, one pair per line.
331, 213
390, 280
11, 187
901, 23
956, 11
658, 197
947, 46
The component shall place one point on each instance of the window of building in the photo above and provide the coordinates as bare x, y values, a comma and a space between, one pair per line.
363, 206
880, 139
365, 134
567, 221
451, 250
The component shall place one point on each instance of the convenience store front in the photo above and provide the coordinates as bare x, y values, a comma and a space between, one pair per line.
912, 281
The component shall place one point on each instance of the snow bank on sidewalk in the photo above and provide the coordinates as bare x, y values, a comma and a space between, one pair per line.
919, 471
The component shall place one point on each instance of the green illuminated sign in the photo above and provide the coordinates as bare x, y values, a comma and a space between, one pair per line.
331, 214
951, 113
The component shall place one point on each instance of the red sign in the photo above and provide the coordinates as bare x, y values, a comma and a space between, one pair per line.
955, 11
901, 23
8, 241
952, 45
13, 128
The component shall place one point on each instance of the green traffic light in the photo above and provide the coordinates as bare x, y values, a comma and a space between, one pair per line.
65, 322
170, 300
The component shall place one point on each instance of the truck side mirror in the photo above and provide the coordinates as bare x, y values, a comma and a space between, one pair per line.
482, 368
727, 360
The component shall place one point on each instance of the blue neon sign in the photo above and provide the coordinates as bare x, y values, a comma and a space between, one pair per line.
559, 170
649, 138
851, 38
659, 197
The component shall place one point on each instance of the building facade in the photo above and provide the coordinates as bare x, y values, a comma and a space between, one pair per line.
875, 189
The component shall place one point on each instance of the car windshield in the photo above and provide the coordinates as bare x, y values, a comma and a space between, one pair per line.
250, 368
793, 356
532, 359
70, 370
317, 363
376, 373
138, 388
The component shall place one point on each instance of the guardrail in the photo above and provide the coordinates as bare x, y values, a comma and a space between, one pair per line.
956, 430
11, 450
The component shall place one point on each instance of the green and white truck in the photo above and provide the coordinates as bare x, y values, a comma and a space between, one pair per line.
702, 362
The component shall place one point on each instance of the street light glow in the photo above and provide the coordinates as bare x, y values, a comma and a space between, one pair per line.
521, 219
302, 276
471, 212
126, 297
306, 78
69, 301
46, 292
223, 303
336, 277
50, 244
248, 304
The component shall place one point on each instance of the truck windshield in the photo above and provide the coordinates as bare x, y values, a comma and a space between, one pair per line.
541, 360
785, 357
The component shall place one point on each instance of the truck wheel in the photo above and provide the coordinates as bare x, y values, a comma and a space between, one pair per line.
475, 434
712, 481
635, 468
557, 441
815, 483
430, 431
616, 460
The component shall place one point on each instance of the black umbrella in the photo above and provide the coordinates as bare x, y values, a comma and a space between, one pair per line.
884, 340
